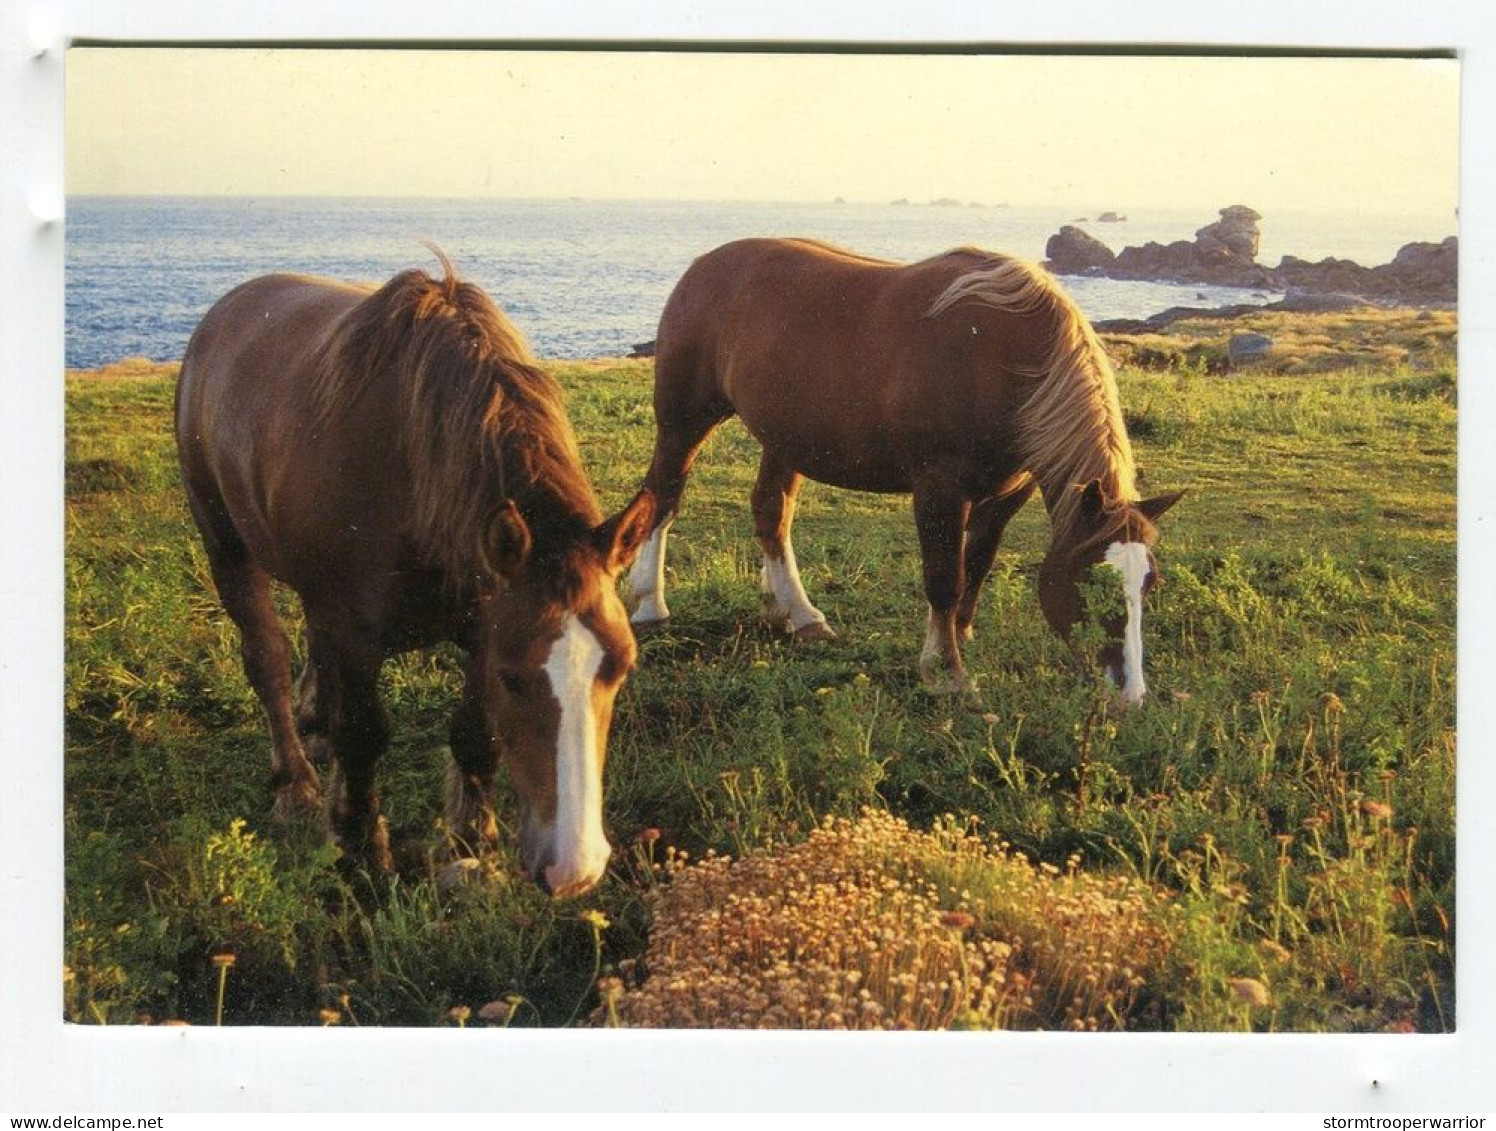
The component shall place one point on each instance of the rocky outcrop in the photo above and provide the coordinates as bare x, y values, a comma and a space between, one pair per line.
1222, 254
1225, 254
1234, 234
1421, 270
1072, 251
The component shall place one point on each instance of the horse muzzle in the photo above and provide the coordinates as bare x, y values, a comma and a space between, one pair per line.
562, 866
1128, 694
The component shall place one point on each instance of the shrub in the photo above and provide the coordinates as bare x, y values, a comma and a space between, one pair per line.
871, 925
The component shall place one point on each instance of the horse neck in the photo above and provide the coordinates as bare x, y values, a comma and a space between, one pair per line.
542, 475
479, 442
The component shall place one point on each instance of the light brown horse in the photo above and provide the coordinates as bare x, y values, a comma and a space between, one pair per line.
969, 379
397, 458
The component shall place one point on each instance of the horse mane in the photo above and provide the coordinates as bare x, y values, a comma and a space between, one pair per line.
483, 423
1070, 428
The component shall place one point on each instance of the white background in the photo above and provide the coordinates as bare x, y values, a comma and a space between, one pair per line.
48, 1067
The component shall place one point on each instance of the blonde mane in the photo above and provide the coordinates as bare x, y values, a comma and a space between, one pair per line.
1070, 429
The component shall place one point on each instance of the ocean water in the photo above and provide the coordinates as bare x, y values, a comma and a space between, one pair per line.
580, 278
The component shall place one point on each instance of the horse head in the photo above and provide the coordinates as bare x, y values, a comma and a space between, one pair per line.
1119, 535
554, 647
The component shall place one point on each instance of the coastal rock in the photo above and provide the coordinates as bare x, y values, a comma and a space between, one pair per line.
1074, 252
1111, 218
1224, 254
1432, 269
1242, 348
1419, 272
1317, 302
1328, 274
1427, 256
1205, 260
1236, 231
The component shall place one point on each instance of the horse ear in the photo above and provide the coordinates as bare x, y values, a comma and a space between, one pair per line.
1156, 506
1092, 499
507, 544
619, 538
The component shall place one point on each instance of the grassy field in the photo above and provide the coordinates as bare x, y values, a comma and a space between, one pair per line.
1287, 793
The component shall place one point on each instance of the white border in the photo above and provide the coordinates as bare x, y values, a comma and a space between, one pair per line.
48, 1067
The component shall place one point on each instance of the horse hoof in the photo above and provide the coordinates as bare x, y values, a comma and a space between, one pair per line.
379, 846
648, 625
458, 873
368, 848
947, 683
296, 802
815, 630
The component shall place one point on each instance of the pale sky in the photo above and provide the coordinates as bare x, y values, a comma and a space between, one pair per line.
1375, 135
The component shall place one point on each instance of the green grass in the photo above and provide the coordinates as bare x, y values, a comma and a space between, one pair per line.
1356, 339
1300, 657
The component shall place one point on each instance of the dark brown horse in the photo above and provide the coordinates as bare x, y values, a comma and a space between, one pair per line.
970, 380
397, 459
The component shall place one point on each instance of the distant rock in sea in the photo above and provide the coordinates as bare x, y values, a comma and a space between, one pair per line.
1111, 218
1236, 232
1074, 252
1224, 254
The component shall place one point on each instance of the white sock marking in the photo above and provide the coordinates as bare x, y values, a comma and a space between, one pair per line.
647, 579
581, 849
781, 580
931, 657
1131, 560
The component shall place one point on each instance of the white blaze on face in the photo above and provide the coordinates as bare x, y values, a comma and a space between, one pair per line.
1130, 559
647, 579
581, 849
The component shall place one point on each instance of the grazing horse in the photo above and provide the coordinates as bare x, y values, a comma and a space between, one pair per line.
397, 458
969, 380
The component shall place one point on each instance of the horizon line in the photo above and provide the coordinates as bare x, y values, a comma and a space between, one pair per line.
945, 202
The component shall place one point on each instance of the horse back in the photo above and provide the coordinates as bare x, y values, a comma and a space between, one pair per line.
830, 360
257, 467
257, 340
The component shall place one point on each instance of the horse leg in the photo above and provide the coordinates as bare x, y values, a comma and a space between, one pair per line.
678, 439
785, 602
940, 513
311, 711
470, 775
244, 589
359, 733
984, 531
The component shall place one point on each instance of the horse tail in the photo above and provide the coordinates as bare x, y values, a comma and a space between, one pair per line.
1070, 426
